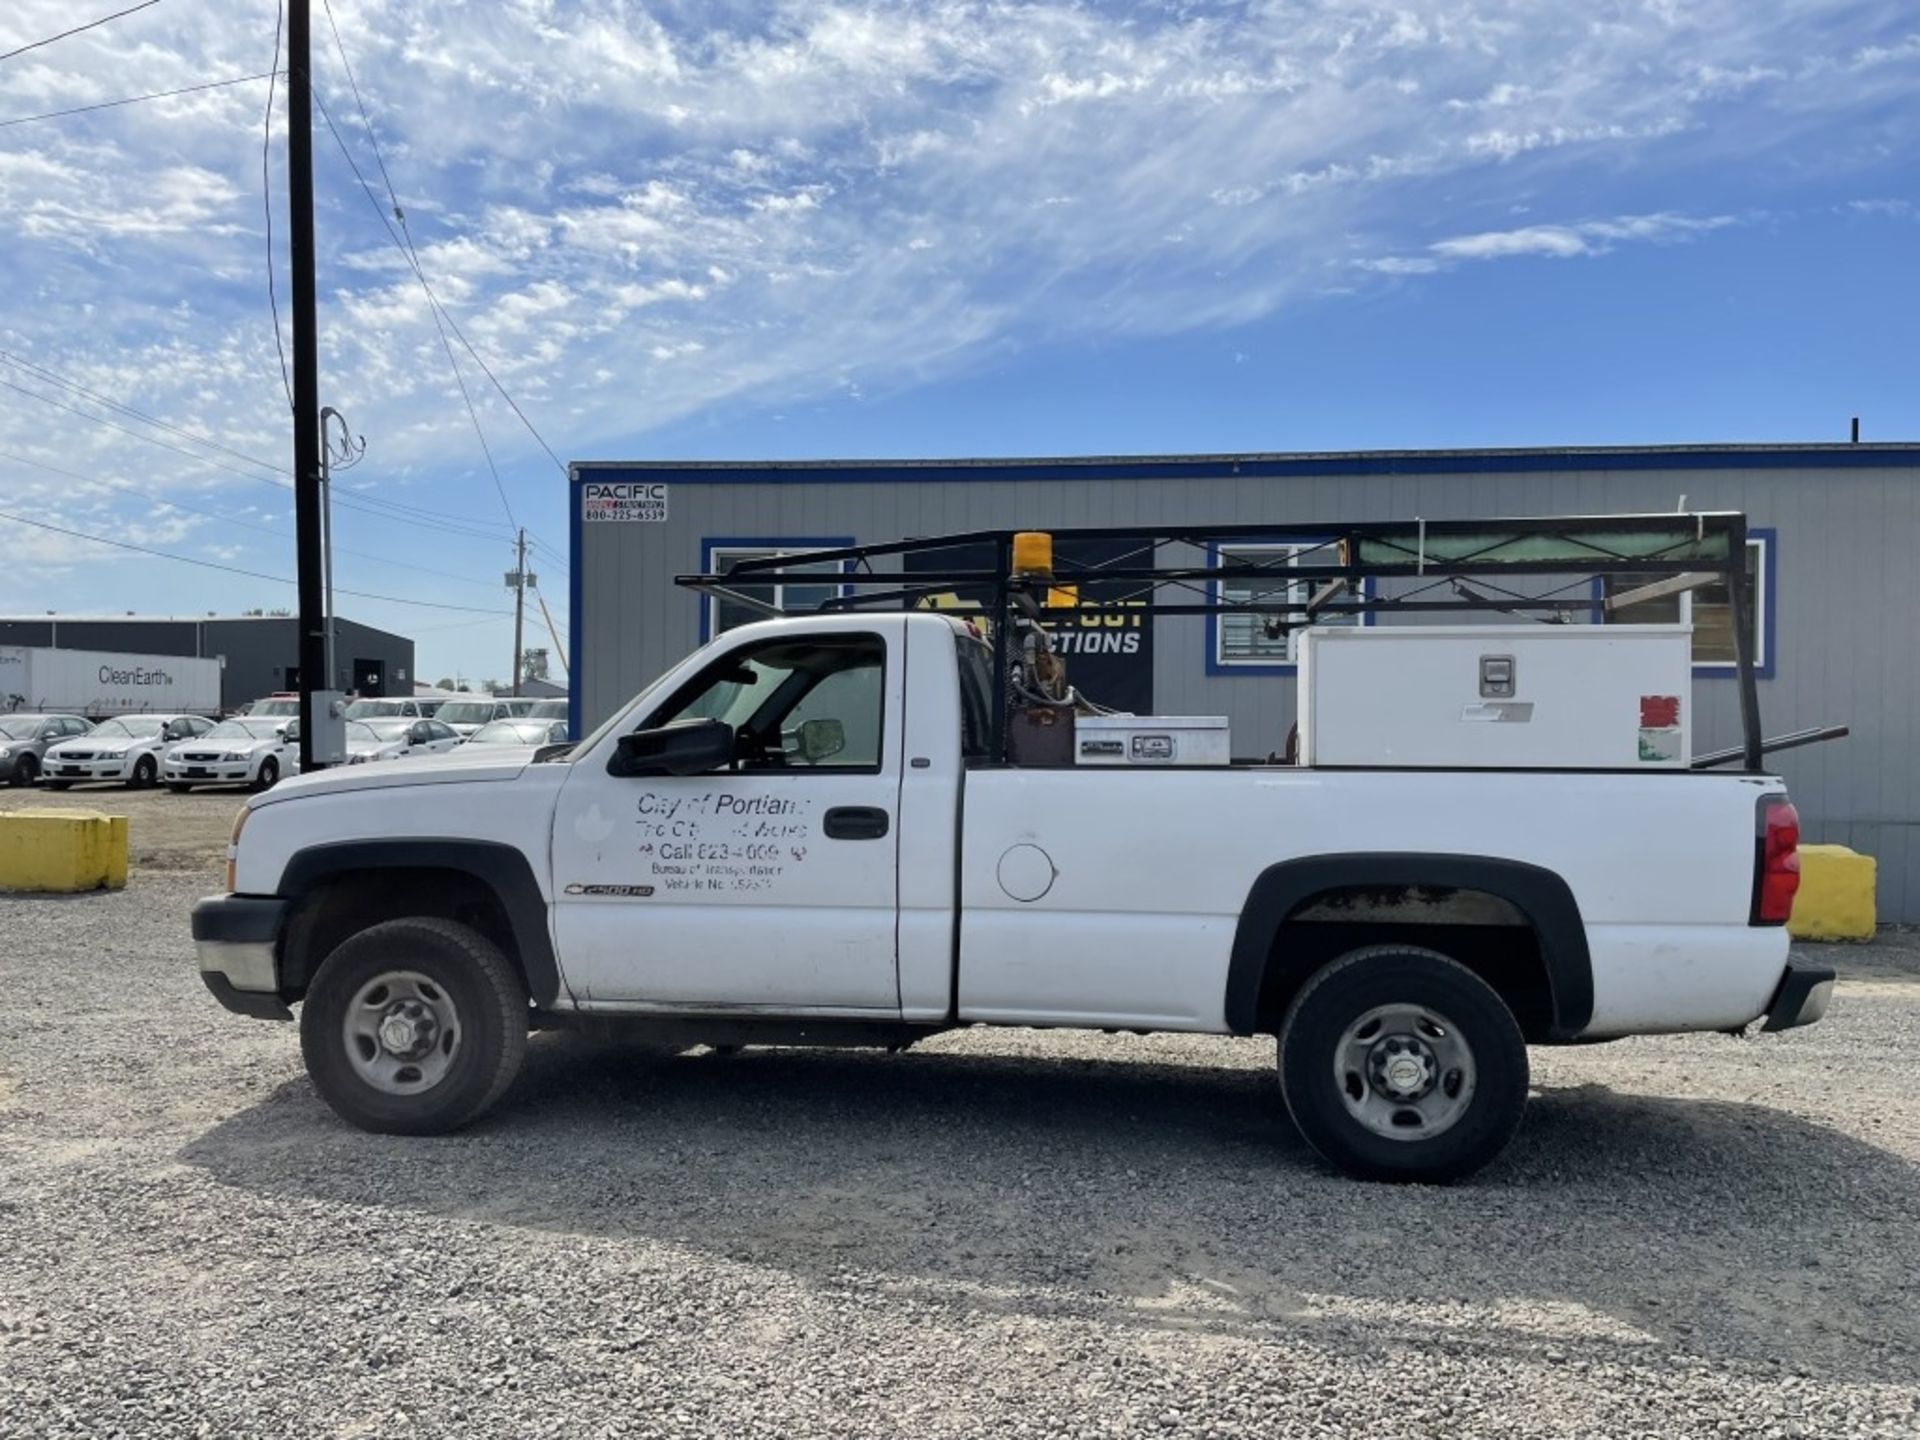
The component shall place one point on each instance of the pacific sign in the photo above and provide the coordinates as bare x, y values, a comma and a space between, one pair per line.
624, 500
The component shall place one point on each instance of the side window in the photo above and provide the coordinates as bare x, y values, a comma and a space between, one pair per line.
792, 595
813, 704
976, 699
440, 731
1707, 608
850, 699
75, 727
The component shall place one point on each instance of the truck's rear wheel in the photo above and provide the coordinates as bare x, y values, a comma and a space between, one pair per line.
414, 1027
1400, 1064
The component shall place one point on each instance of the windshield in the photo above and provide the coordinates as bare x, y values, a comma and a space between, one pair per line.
373, 709
243, 730
276, 707
548, 710
139, 727
466, 712
19, 727
378, 732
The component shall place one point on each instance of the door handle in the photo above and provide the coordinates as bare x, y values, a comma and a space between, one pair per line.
855, 822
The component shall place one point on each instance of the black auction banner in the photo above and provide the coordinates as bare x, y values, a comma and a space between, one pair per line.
1109, 652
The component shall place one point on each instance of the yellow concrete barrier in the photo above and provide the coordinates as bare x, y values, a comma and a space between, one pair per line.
63, 851
1836, 895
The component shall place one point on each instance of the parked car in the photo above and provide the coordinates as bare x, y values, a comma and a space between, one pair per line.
250, 750
282, 706
467, 716
388, 707
523, 731
394, 739
125, 749
25, 738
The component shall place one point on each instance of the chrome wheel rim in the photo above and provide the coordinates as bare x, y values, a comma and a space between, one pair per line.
401, 1032
1405, 1072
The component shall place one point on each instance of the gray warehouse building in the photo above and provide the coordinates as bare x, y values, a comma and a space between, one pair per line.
1834, 532
259, 654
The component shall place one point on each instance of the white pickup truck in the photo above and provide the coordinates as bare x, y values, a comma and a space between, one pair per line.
796, 836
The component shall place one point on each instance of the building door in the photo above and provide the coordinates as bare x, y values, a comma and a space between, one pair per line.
370, 678
769, 885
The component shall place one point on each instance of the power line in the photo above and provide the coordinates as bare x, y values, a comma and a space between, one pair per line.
90, 25
408, 514
266, 203
279, 534
235, 569
413, 259
407, 247
150, 439
138, 99
40, 372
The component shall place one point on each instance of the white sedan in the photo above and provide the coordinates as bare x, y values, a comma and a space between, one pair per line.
520, 732
396, 739
242, 751
125, 750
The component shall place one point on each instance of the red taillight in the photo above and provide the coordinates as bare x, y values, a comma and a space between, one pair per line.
1776, 866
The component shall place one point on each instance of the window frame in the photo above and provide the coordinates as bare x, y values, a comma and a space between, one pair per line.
1216, 632
1765, 610
680, 695
713, 547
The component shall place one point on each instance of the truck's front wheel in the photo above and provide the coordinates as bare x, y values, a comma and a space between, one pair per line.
414, 1027
1400, 1064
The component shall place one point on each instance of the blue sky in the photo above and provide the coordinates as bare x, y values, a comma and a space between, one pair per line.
814, 229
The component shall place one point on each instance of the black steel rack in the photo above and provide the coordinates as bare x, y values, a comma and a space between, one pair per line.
1435, 566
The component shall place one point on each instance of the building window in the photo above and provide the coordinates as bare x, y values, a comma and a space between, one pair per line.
1254, 637
721, 556
1707, 609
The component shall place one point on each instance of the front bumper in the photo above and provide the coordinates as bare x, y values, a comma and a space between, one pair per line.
1802, 997
117, 767
236, 772
236, 936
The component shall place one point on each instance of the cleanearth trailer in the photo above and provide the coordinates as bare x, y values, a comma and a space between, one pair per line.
897, 816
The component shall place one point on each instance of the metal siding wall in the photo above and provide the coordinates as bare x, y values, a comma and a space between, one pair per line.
1843, 617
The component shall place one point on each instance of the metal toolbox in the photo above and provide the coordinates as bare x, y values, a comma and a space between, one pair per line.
1497, 696
1151, 740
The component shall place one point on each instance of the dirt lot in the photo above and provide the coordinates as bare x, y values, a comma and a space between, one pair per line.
165, 832
1001, 1233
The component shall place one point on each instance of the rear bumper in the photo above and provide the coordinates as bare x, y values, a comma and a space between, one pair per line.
236, 937
1802, 997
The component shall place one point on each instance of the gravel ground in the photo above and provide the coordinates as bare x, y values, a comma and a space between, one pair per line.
999, 1233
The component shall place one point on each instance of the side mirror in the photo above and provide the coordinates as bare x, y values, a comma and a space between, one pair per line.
694, 748
821, 740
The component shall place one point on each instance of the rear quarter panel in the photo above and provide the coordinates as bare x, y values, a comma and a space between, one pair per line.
1152, 869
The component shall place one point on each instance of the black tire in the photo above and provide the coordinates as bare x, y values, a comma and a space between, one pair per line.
1339, 997
489, 1002
269, 775
146, 772
25, 770
178, 789
59, 784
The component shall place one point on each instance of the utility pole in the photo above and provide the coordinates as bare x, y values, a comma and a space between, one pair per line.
517, 581
308, 543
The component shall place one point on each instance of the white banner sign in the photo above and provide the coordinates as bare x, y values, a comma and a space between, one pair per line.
623, 500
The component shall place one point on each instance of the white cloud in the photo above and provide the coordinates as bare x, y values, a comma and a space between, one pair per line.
638, 211
1563, 242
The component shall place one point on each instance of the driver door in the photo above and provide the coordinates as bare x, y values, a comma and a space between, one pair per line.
768, 886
